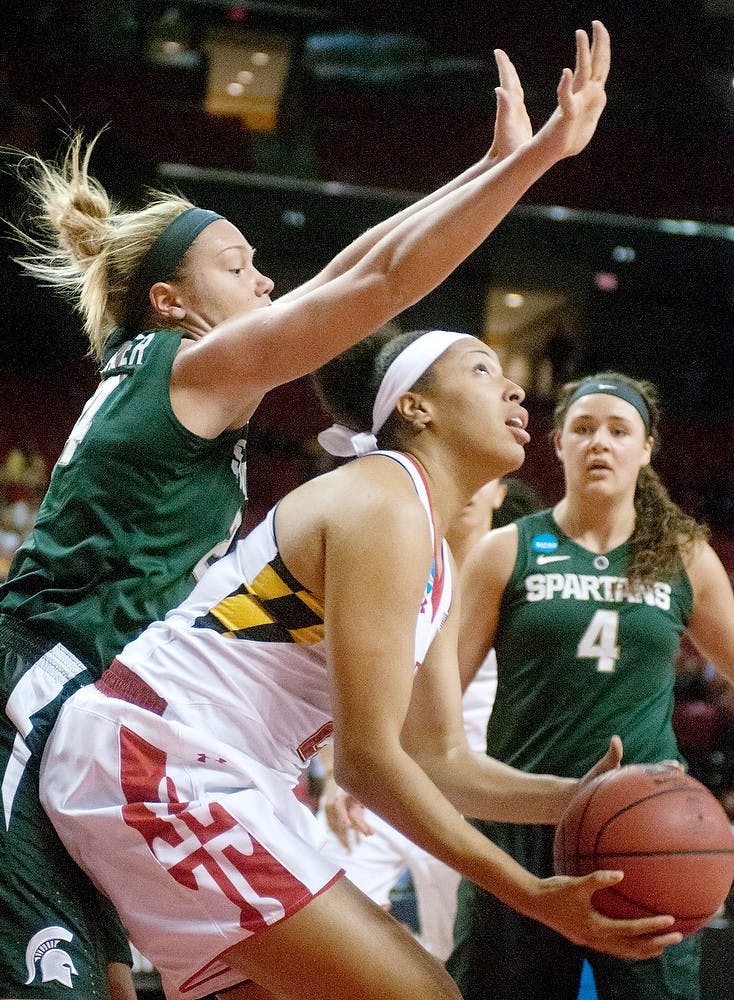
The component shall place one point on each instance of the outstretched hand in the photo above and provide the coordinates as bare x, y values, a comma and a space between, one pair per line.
581, 95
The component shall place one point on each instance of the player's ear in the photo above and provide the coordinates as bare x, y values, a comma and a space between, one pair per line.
414, 409
647, 454
165, 302
557, 444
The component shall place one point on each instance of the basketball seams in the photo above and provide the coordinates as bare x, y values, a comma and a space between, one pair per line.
612, 890
649, 853
590, 793
640, 905
582, 818
635, 805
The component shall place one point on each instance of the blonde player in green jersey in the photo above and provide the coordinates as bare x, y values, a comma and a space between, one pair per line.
150, 483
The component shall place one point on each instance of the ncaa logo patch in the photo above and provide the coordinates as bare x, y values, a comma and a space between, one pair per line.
44, 955
544, 543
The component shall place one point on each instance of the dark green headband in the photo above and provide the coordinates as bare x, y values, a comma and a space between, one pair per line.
614, 387
163, 257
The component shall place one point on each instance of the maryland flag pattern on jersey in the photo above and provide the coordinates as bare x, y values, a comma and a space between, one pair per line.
273, 608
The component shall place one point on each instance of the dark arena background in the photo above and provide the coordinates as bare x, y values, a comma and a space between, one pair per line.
305, 123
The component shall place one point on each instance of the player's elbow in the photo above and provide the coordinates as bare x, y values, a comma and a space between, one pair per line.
360, 771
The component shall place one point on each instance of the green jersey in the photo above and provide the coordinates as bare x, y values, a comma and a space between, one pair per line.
580, 656
135, 506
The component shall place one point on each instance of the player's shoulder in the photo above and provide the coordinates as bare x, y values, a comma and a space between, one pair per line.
372, 493
493, 556
703, 565
383, 481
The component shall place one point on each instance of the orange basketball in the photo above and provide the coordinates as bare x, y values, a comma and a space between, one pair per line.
666, 831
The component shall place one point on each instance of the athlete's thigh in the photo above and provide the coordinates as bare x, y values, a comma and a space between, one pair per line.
54, 938
672, 976
341, 944
247, 991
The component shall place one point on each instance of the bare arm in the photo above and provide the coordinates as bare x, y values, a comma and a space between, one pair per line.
475, 784
480, 786
712, 622
344, 814
222, 377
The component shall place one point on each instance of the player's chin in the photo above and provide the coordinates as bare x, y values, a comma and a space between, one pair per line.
515, 457
599, 487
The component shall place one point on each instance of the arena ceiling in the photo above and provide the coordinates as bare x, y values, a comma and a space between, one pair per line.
348, 109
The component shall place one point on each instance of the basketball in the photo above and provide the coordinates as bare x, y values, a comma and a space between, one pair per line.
662, 828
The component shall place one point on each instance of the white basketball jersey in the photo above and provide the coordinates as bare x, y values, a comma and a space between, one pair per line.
249, 642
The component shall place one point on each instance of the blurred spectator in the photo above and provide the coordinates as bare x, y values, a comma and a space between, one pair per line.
23, 481
24, 476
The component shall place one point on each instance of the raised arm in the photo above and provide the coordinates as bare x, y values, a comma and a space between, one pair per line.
511, 129
225, 374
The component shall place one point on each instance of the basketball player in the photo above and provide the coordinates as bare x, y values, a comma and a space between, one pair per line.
171, 780
373, 853
585, 605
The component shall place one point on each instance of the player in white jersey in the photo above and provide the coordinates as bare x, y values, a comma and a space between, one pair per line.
171, 780
375, 854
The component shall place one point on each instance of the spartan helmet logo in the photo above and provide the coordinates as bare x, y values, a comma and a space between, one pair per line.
56, 964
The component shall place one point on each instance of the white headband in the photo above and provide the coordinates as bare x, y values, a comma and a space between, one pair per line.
403, 372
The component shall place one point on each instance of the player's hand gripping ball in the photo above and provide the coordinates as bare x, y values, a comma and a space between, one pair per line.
666, 831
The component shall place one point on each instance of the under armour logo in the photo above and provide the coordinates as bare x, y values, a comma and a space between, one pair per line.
55, 963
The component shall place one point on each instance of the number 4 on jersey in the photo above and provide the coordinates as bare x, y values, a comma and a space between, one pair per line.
599, 641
